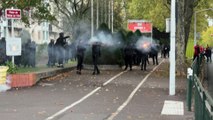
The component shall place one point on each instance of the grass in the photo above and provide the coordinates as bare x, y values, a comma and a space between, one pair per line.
41, 68
190, 49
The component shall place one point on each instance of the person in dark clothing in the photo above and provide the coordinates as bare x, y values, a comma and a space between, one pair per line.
96, 53
3, 57
154, 53
128, 56
60, 43
80, 56
33, 54
208, 53
144, 57
166, 50
51, 54
27, 50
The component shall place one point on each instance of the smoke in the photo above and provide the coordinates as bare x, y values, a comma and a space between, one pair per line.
146, 44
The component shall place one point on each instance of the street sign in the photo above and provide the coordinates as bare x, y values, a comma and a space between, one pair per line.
13, 46
13, 14
143, 26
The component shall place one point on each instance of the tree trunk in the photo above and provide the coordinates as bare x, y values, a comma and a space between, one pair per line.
184, 18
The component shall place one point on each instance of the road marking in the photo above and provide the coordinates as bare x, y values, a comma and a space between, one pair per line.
113, 115
59, 113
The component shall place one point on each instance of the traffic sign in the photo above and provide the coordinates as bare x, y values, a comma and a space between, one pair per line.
13, 14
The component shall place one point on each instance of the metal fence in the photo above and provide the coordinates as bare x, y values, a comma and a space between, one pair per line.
202, 101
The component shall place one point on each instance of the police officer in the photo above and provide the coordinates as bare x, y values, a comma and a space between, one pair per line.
96, 53
128, 56
154, 53
144, 57
80, 56
51, 54
60, 43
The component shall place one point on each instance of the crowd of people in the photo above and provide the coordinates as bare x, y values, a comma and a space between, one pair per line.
207, 52
27, 59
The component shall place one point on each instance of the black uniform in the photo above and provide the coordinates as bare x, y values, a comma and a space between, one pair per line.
154, 54
60, 43
144, 57
209, 54
80, 56
51, 54
3, 56
33, 53
96, 53
128, 56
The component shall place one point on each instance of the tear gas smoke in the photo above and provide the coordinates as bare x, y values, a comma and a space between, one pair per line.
145, 44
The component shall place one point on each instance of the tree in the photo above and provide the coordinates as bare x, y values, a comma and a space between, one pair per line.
38, 9
207, 37
158, 10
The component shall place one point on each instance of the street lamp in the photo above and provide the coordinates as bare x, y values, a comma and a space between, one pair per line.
172, 51
195, 23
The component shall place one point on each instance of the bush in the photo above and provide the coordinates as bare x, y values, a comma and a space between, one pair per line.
12, 69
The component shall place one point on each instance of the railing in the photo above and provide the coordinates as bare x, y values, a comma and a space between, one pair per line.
202, 101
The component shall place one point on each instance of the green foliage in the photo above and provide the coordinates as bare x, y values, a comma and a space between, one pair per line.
40, 11
109, 56
103, 27
190, 49
12, 68
207, 37
154, 10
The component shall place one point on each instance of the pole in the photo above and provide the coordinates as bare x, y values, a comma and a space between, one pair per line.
112, 28
97, 17
92, 19
109, 13
12, 34
195, 29
151, 34
172, 52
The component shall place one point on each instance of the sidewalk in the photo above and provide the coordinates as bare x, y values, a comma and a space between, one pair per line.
155, 97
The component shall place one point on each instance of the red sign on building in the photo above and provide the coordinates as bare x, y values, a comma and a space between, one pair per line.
13, 14
143, 26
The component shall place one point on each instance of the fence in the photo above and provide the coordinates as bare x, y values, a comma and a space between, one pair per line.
202, 101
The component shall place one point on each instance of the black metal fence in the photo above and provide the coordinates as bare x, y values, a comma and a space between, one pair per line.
202, 101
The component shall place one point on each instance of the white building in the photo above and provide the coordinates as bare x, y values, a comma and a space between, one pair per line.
40, 33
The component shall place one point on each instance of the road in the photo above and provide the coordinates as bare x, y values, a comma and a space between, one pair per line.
112, 95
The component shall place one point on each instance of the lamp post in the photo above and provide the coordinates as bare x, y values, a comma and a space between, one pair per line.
172, 51
195, 23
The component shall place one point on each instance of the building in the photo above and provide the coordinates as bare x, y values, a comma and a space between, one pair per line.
40, 33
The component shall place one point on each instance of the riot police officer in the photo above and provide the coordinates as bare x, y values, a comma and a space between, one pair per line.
80, 56
60, 43
96, 53
128, 56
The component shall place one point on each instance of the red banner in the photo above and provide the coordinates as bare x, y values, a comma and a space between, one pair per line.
144, 27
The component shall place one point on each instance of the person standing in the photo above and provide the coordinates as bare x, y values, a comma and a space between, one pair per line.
80, 56
60, 43
96, 53
196, 51
208, 52
51, 53
128, 56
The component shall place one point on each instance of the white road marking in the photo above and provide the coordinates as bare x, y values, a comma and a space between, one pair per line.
82, 99
113, 115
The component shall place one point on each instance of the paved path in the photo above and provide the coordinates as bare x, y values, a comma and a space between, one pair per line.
112, 95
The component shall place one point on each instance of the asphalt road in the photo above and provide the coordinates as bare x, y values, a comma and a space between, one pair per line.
112, 95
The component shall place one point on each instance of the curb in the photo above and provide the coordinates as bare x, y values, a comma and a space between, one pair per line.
30, 79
